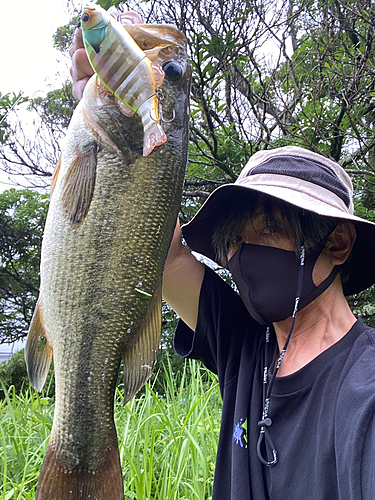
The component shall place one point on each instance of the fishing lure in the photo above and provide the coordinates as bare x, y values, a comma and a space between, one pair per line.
125, 70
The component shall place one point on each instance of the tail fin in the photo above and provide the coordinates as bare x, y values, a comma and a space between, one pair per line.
154, 136
58, 481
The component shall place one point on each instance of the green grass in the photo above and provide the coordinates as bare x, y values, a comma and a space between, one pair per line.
167, 443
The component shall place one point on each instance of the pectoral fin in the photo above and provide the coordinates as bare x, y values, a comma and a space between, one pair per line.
79, 185
38, 352
140, 359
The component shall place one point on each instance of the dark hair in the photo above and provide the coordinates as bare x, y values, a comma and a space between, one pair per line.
302, 226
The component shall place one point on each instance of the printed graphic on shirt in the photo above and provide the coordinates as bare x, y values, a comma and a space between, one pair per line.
240, 433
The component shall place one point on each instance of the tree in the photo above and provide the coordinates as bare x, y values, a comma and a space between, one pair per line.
7, 104
22, 218
31, 147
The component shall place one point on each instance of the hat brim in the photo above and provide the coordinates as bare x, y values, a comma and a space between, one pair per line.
199, 231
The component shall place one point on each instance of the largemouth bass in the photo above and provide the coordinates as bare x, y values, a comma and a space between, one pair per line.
108, 229
134, 80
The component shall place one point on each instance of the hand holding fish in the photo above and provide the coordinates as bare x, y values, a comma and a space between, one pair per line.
81, 69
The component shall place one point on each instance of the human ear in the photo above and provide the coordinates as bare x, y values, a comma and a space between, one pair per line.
340, 242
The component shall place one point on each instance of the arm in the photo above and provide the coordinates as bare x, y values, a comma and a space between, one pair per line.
182, 280
367, 473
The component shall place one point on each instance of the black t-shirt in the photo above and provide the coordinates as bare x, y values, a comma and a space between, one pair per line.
323, 415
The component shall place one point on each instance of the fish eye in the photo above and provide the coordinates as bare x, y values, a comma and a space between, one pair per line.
172, 70
85, 17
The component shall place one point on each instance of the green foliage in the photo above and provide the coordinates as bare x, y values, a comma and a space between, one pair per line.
63, 36
106, 4
56, 109
8, 102
13, 373
178, 436
363, 305
167, 443
25, 426
22, 219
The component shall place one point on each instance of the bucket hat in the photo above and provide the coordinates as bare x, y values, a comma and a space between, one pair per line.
304, 179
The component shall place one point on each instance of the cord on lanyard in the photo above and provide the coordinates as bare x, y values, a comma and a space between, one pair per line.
266, 422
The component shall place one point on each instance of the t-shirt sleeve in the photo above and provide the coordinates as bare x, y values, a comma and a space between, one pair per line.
368, 463
221, 326
355, 424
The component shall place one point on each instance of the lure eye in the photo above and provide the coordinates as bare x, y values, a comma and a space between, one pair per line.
172, 70
85, 17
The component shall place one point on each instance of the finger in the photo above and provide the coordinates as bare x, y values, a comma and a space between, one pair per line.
81, 66
79, 87
77, 42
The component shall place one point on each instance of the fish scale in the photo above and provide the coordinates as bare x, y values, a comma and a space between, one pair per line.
99, 248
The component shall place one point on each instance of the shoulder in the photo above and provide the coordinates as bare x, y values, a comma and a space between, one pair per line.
358, 370
356, 387
355, 418
360, 363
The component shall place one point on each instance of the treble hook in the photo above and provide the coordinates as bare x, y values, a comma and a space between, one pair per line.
160, 96
152, 117
162, 116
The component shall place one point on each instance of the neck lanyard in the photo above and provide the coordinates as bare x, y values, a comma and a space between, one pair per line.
266, 422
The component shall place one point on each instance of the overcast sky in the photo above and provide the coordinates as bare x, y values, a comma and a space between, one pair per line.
28, 58
29, 63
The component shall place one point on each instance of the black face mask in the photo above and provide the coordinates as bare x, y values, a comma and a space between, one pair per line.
267, 277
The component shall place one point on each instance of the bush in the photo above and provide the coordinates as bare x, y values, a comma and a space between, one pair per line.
13, 373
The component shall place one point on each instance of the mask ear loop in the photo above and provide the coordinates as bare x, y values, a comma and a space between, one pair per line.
267, 389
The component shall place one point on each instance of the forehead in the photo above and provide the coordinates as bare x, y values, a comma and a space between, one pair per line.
267, 209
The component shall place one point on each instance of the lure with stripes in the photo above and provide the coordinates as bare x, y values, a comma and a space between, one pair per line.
125, 70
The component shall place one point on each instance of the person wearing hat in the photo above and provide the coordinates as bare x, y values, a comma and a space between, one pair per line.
296, 368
